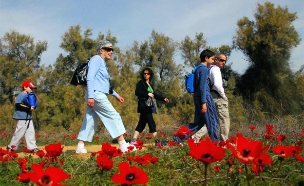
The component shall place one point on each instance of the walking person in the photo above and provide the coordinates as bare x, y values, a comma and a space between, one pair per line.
219, 97
144, 90
98, 105
205, 110
25, 103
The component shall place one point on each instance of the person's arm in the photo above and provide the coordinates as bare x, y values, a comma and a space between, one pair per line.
22, 107
203, 74
159, 97
216, 76
94, 65
141, 90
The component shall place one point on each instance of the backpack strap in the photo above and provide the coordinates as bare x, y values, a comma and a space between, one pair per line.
197, 67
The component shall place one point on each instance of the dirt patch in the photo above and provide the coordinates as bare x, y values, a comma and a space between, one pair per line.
69, 149
72, 149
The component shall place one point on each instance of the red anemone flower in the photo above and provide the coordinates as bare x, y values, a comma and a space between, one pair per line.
206, 151
22, 163
171, 143
300, 158
232, 140
295, 149
256, 169
262, 160
24, 177
283, 151
246, 150
148, 136
130, 175
217, 168
50, 176
110, 150
143, 160
139, 144
40, 153
269, 127
26, 150
251, 127
3, 152
182, 132
54, 150
281, 138
104, 162
154, 160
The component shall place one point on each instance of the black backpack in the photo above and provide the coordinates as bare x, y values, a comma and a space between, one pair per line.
80, 74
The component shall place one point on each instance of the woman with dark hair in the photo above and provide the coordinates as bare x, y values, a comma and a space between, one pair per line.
144, 91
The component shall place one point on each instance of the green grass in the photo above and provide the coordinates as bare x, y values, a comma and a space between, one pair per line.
175, 166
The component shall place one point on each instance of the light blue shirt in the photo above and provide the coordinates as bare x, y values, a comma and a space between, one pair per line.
98, 78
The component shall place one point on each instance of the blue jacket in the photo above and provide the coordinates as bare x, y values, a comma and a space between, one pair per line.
22, 110
201, 86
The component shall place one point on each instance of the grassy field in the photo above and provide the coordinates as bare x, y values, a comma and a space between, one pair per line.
265, 157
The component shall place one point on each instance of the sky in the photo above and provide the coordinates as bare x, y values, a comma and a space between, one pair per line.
134, 20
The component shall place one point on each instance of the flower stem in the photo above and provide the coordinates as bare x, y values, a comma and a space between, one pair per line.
227, 176
247, 176
205, 181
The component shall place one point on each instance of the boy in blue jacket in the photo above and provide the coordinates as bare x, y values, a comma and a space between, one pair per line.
25, 103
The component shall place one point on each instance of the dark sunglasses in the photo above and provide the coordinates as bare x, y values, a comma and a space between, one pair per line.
108, 49
146, 73
222, 60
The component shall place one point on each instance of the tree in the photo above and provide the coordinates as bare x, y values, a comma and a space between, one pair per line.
191, 49
267, 43
79, 49
158, 52
19, 60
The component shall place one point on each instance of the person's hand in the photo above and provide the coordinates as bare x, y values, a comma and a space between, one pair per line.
120, 99
32, 108
204, 108
166, 100
91, 102
151, 95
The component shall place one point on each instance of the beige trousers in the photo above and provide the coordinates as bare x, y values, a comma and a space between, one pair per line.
224, 119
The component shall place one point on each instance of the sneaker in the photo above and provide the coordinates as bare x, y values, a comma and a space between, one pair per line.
9, 149
81, 150
158, 143
35, 150
133, 142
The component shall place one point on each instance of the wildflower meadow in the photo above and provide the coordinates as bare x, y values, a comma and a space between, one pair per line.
254, 157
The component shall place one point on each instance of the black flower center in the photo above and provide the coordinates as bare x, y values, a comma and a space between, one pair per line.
130, 176
206, 156
246, 152
45, 179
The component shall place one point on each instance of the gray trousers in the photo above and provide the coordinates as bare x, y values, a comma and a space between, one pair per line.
24, 128
224, 119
